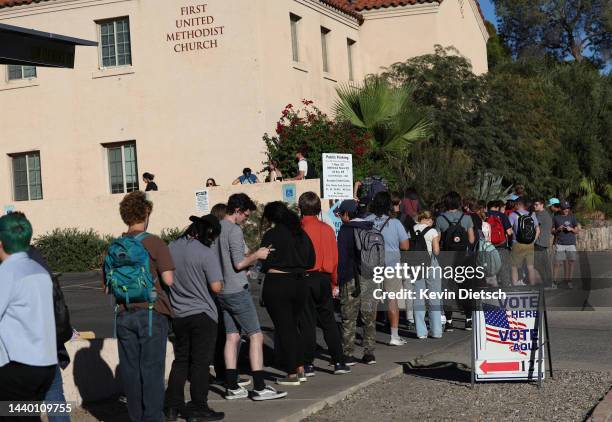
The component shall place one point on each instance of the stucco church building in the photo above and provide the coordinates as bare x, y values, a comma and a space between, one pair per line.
185, 89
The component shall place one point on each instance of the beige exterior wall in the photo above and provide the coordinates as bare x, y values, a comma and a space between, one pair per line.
194, 114
411, 31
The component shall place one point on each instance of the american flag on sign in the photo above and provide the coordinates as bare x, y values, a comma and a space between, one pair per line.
497, 318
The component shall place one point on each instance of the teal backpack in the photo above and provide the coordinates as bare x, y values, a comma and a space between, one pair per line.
487, 256
128, 276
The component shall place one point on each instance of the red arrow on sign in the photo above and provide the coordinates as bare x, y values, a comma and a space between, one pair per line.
499, 366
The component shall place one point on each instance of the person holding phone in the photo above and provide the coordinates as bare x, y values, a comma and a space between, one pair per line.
286, 288
565, 229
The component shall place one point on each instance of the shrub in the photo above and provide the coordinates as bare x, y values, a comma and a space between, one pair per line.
73, 250
170, 234
308, 127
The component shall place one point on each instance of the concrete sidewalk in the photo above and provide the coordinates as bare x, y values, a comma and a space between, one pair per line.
322, 390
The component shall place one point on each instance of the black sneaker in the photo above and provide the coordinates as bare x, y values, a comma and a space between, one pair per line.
341, 368
368, 359
449, 327
350, 361
204, 414
309, 370
468, 324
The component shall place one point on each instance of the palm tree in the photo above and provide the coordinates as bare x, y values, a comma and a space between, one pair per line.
388, 113
593, 194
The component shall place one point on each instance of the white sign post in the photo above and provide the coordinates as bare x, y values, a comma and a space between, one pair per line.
201, 201
509, 338
337, 176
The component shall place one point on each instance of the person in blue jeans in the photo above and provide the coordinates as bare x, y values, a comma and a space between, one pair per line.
142, 354
432, 281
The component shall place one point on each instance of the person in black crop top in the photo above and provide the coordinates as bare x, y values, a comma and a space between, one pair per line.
285, 289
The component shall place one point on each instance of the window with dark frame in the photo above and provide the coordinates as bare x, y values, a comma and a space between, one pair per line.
16, 72
115, 42
122, 167
27, 179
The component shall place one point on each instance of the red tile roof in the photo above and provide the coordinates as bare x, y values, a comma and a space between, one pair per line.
8, 3
359, 5
350, 7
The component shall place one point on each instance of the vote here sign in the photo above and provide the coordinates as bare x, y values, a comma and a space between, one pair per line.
506, 338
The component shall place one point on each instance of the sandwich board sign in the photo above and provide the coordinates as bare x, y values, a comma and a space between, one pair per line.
508, 339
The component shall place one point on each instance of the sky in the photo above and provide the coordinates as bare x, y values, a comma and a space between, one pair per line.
489, 11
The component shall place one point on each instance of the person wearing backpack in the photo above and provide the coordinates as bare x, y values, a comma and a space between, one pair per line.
135, 266
356, 286
28, 351
365, 189
501, 233
63, 332
457, 234
525, 231
427, 241
306, 169
396, 240
197, 277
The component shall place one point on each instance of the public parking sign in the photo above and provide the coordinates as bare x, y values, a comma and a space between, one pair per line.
508, 336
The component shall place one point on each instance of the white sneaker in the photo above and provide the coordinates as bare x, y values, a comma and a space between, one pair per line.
422, 337
239, 393
397, 341
268, 393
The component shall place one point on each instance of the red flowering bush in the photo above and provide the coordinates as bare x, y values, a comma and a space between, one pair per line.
307, 127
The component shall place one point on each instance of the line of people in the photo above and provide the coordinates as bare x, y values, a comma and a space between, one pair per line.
199, 282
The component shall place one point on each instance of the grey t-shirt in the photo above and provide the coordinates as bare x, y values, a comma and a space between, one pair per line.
546, 222
230, 248
454, 216
197, 266
565, 238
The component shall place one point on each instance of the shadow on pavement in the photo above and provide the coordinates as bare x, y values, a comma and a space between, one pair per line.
446, 371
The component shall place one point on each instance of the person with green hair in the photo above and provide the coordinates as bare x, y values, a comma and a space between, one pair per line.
28, 353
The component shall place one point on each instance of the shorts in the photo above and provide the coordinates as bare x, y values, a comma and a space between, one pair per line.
239, 313
394, 284
522, 252
565, 252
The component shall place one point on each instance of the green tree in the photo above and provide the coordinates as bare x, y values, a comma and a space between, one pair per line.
387, 113
574, 29
497, 51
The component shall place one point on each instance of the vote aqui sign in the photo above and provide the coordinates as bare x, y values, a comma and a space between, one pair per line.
507, 338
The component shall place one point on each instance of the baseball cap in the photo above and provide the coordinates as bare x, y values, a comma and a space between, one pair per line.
348, 205
565, 205
513, 197
553, 201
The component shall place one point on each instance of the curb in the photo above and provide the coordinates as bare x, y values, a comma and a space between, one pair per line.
603, 410
329, 401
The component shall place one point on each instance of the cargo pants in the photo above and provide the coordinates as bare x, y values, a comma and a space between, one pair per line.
350, 308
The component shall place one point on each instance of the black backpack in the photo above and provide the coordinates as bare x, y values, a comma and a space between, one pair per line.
455, 238
377, 185
526, 228
418, 254
311, 173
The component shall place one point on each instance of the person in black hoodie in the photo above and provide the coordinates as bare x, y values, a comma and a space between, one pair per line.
356, 292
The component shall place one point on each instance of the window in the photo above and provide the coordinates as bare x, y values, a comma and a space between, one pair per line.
122, 167
27, 182
115, 49
20, 72
295, 47
324, 37
350, 46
